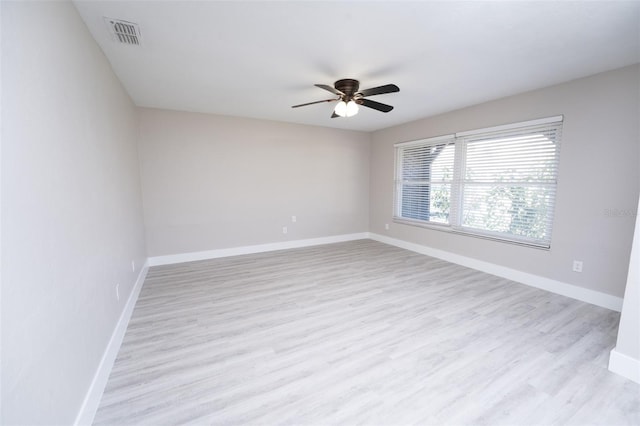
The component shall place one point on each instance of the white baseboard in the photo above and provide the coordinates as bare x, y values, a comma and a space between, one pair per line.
260, 248
624, 365
583, 294
92, 399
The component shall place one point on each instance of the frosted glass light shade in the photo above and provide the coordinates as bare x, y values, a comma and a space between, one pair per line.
344, 109
352, 109
341, 109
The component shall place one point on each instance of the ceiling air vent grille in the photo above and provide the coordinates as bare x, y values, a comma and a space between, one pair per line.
123, 31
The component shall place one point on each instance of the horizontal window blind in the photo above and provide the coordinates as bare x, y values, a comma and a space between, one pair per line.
499, 183
509, 183
423, 186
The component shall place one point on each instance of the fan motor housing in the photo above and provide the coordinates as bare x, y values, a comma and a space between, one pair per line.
348, 86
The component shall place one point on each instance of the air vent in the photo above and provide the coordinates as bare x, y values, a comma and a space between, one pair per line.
123, 31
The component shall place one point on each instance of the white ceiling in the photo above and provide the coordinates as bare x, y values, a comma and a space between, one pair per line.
256, 59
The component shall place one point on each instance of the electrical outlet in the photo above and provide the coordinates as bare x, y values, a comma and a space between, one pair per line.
294, 219
577, 266
284, 230
118, 291
386, 226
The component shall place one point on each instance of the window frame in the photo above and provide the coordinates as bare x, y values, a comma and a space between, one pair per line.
460, 141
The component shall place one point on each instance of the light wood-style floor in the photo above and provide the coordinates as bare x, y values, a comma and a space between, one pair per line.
360, 333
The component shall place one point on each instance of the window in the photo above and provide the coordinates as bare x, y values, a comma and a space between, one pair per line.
497, 183
427, 175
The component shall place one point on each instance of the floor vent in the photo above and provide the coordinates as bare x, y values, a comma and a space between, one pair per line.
123, 31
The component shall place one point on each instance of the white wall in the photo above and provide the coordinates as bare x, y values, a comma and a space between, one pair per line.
71, 210
212, 182
599, 172
625, 358
1, 143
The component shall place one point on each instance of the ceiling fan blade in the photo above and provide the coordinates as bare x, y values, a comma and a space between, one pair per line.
316, 102
387, 88
375, 105
330, 89
334, 115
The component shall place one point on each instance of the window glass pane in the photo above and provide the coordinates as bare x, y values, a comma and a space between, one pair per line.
515, 210
440, 203
426, 173
427, 202
415, 201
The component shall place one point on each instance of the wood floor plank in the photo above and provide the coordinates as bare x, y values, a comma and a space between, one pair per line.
360, 333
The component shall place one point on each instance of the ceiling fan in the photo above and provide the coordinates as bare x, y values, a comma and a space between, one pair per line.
349, 97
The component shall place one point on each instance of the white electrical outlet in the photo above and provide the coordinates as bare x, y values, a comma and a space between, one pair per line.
284, 230
294, 219
118, 291
133, 265
386, 226
577, 266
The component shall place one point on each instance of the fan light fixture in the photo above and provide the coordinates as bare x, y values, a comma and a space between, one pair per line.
350, 97
346, 109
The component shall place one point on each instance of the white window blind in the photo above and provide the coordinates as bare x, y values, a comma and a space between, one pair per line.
497, 183
424, 187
